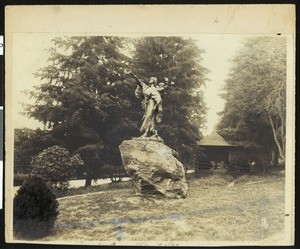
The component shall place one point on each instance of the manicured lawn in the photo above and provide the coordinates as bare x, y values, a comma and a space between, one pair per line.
250, 209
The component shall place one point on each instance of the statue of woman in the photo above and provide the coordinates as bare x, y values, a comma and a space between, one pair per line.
151, 103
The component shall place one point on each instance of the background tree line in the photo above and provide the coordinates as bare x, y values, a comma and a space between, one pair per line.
86, 100
254, 116
87, 104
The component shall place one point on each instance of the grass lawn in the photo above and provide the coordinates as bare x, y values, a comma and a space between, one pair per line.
218, 208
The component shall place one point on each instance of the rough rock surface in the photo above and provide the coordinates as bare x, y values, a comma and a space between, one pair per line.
153, 168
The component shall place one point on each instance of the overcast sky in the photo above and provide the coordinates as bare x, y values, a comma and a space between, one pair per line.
220, 49
30, 53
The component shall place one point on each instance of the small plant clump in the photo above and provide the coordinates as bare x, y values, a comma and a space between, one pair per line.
35, 200
35, 209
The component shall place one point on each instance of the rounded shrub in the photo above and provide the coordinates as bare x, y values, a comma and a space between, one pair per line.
34, 200
35, 209
56, 165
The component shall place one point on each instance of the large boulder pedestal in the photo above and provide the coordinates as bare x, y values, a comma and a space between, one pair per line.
153, 168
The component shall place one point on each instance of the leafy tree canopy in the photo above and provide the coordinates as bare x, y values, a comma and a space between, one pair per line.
254, 114
85, 98
28, 143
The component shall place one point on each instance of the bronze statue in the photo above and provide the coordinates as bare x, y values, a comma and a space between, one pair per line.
152, 103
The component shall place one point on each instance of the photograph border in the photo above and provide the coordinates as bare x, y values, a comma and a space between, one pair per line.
272, 19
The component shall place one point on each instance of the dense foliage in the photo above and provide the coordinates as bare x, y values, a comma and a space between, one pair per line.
28, 143
34, 200
56, 165
86, 99
255, 109
177, 62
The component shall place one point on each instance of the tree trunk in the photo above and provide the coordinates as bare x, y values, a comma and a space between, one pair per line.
88, 181
274, 158
263, 165
283, 125
279, 146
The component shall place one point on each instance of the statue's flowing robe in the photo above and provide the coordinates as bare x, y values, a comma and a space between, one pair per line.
152, 104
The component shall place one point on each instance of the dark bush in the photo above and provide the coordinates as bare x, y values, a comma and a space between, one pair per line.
19, 178
35, 209
34, 200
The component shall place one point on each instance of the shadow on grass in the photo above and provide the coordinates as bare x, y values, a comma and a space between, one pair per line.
29, 229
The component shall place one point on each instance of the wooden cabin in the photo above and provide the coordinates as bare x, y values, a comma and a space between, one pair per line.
212, 148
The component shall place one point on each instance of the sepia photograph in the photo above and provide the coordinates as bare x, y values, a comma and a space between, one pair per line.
150, 138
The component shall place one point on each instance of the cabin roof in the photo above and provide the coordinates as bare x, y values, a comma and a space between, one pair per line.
214, 139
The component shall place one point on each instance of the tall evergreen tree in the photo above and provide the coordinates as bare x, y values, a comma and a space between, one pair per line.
178, 61
85, 98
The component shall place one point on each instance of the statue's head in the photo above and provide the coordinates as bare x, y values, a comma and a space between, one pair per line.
152, 81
